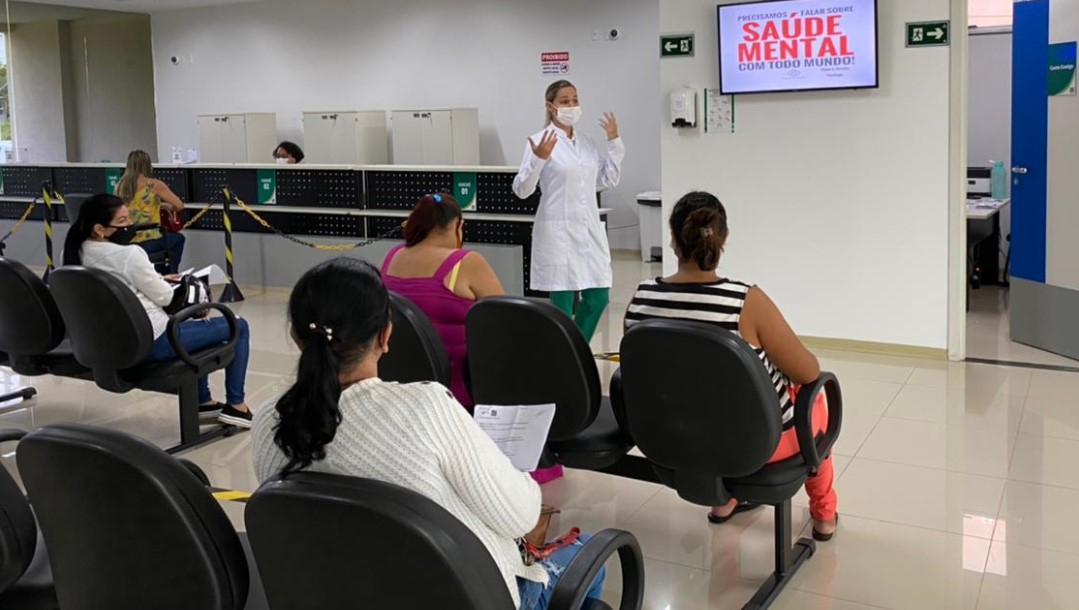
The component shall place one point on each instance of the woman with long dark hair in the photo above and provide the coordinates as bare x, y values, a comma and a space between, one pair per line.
339, 417
100, 238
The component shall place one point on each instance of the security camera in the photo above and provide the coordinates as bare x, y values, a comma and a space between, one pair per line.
175, 60
614, 34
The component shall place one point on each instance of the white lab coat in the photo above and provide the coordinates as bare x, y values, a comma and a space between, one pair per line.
569, 243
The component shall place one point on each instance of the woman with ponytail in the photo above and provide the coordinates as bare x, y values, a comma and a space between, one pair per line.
442, 279
339, 417
697, 292
100, 238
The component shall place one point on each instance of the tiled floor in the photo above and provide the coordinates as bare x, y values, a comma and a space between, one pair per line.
957, 483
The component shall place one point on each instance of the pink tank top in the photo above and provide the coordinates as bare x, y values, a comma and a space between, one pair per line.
446, 310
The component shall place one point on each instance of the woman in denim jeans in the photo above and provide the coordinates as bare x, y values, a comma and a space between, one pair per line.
100, 238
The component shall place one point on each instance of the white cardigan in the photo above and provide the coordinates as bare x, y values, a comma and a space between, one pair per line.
417, 436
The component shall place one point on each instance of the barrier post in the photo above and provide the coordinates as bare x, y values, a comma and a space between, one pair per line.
46, 192
231, 293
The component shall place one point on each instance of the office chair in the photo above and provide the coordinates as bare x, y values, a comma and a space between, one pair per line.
416, 350
129, 527
404, 551
25, 574
703, 410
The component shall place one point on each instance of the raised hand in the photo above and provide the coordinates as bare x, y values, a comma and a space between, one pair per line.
546, 145
610, 125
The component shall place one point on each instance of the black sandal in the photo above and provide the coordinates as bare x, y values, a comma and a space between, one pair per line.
739, 508
819, 537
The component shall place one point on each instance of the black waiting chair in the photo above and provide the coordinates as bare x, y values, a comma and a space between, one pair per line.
416, 350
32, 331
22, 394
111, 335
523, 351
129, 527
703, 410
404, 551
25, 575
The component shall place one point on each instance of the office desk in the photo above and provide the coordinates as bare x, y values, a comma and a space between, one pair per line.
984, 240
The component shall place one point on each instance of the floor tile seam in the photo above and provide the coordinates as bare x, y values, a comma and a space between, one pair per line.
979, 474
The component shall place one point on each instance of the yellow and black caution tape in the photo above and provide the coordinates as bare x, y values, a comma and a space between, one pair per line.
49, 264
322, 247
230, 495
18, 224
608, 356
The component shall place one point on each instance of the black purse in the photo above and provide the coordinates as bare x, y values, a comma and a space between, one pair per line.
187, 291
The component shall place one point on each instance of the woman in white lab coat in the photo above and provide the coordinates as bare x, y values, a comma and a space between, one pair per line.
570, 256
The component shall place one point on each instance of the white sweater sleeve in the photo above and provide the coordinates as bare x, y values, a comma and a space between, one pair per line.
142, 275
527, 178
507, 500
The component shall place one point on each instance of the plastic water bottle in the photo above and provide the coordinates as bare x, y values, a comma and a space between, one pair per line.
999, 177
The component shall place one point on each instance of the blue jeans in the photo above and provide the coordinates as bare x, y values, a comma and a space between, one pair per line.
175, 245
534, 596
201, 334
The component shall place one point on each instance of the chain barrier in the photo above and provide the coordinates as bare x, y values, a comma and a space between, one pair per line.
18, 224
321, 247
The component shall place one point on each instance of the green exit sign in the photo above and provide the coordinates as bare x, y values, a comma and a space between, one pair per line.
678, 45
928, 34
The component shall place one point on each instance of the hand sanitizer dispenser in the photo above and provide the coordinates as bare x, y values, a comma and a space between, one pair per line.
684, 108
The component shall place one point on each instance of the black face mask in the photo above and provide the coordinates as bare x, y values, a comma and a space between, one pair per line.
122, 236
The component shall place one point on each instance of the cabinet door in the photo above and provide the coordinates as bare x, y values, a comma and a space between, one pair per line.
437, 138
234, 139
343, 137
408, 137
210, 139
318, 136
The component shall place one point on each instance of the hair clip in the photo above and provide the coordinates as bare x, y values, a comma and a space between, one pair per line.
707, 232
437, 198
326, 330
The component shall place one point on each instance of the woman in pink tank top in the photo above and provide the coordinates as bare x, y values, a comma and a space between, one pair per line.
431, 270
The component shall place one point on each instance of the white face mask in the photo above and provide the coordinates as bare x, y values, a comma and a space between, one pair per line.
568, 115
281, 161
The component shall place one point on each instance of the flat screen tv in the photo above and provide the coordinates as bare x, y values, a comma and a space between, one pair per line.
797, 45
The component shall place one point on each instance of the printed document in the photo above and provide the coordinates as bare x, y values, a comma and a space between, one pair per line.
519, 431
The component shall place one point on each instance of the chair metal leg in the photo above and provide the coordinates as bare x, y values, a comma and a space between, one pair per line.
787, 562
190, 435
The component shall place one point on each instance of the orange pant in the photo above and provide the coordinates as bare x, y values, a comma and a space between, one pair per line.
822, 498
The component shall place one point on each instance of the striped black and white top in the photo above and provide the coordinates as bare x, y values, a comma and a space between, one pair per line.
718, 303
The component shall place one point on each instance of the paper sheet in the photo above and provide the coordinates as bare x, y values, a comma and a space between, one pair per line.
519, 431
215, 274
719, 112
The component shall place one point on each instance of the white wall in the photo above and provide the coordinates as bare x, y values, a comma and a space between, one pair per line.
288, 57
838, 201
990, 115
1062, 222
38, 92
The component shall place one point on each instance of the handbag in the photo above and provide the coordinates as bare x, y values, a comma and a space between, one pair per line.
171, 221
187, 291
534, 546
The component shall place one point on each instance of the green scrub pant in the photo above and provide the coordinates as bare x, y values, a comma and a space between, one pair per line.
589, 307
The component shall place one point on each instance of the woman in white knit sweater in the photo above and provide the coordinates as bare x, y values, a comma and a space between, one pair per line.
339, 417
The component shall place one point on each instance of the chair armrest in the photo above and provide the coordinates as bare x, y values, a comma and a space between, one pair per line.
814, 449
11, 434
195, 470
173, 330
572, 586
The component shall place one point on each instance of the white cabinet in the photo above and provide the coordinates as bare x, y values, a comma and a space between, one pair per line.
237, 138
351, 138
436, 137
